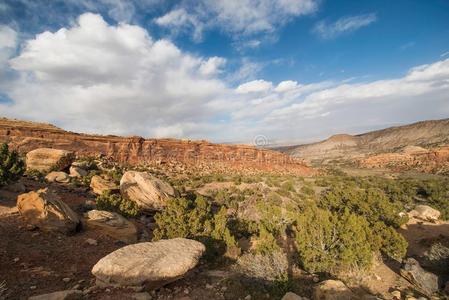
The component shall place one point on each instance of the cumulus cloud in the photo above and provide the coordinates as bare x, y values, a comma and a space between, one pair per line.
117, 79
343, 25
235, 17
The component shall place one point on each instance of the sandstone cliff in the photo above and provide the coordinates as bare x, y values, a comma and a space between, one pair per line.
25, 136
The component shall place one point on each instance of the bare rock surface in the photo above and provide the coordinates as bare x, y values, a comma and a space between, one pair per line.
333, 290
152, 264
147, 191
99, 185
47, 159
44, 209
425, 213
423, 280
113, 225
57, 176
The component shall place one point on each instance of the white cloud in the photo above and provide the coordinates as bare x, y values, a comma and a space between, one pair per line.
343, 25
235, 17
94, 77
8, 37
254, 87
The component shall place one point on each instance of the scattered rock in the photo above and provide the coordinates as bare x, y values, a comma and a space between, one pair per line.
77, 172
61, 295
44, 209
425, 281
332, 290
291, 296
112, 224
425, 213
152, 264
396, 295
46, 159
146, 190
92, 242
58, 176
99, 185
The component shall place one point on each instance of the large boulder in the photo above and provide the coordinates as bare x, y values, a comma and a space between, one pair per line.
99, 185
113, 225
60, 295
57, 176
425, 213
47, 159
149, 192
333, 290
44, 209
424, 281
150, 264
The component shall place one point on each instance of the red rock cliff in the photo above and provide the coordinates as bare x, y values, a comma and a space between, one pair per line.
26, 136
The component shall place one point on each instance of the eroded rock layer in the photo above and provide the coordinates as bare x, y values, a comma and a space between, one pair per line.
26, 136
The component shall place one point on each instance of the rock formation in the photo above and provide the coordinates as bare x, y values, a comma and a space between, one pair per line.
27, 136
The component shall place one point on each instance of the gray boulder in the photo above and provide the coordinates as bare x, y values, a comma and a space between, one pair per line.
424, 281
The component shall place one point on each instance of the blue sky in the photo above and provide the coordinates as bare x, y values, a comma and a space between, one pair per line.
227, 71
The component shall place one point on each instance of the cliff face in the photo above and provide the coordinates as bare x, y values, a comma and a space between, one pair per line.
26, 136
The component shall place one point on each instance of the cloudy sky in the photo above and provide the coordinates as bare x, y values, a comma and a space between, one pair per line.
228, 71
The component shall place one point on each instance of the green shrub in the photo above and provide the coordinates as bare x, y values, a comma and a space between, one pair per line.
266, 242
115, 203
195, 219
389, 241
327, 242
12, 166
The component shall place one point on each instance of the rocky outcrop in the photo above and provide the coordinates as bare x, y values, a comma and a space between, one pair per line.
152, 264
57, 176
46, 159
333, 290
44, 209
149, 192
27, 136
426, 282
99, 185
425, 213
113, 225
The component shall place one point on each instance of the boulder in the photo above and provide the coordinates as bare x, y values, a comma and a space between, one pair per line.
332, 290
60, 295
424, 281
77, 172
425, 213
44, 209
100, 185
113, 225
292, 296
149, 192
47, 159
150, 264
57, 176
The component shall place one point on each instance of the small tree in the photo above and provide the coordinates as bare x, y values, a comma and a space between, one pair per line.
12, 166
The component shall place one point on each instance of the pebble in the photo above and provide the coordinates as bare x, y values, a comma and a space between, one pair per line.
16, 259
186, 291
66, 279
315, 279
92, 242
35, 234
76, 287
209, 286
248, 297
33, 287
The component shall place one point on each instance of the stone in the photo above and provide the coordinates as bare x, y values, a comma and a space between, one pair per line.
57, 176
141, 296
151, 264
47, 159
44, 209
77, 172
99, 185
66, 279
60, 295
149, 192
92, 242
396, 295
425, 213
291, 296
113, 225
332, 290
424, 281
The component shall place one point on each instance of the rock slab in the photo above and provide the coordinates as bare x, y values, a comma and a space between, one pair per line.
99, 185
48, 159
425, 213
43, 208
151, 264
149, 192
113, 225
425, 281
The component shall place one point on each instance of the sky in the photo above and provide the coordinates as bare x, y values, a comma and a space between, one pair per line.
235, 71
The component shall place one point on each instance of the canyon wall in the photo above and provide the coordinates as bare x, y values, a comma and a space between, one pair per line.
25, 136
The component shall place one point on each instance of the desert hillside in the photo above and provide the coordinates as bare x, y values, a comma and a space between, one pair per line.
25, 136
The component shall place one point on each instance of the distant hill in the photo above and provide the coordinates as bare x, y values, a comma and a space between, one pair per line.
425, 134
